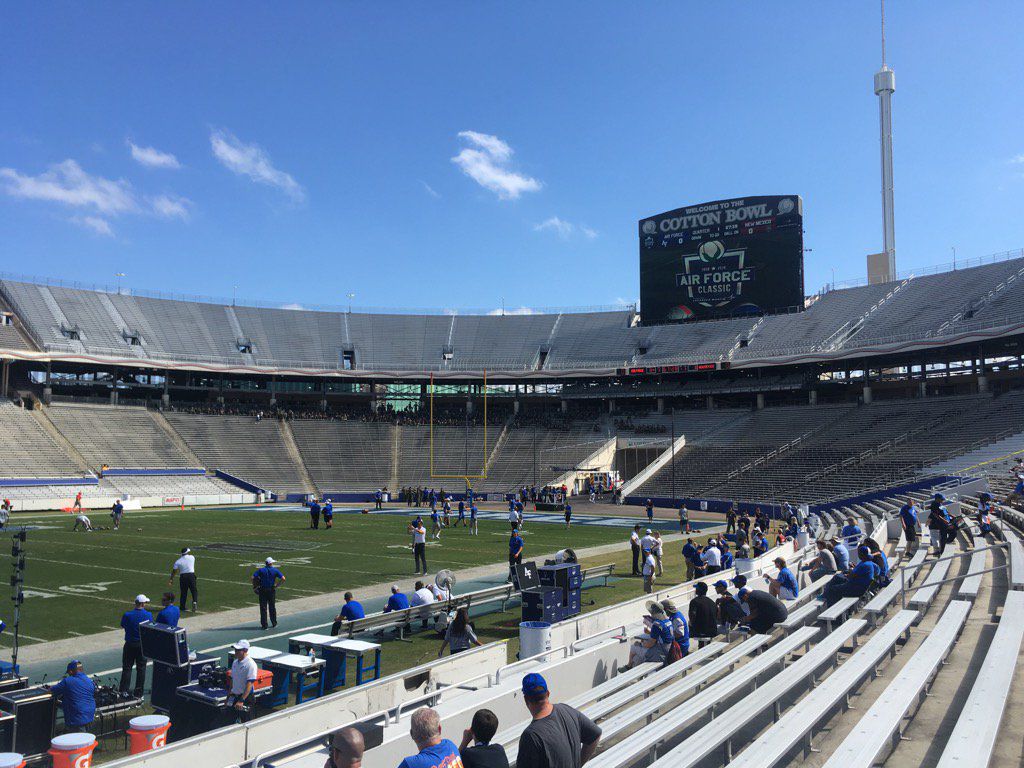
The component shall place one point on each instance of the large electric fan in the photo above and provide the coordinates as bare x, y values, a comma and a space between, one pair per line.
566, 555
445, 580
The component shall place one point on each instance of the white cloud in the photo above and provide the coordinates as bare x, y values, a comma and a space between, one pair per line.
488, 162
170, 207
252, 161
292, 306
1018, 159
565, 229
512, 311
96, 224
152, 157
68, 184
430, 190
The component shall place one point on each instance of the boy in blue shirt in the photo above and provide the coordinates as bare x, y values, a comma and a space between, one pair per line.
462, 513
857, 583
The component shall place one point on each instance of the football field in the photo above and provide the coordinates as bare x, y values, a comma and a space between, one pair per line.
79, 583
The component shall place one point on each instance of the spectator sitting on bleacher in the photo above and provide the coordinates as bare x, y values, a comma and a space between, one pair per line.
765, 610
759, 542
559, 736
940, 523
656, 640
397, 601
730, 610
425, 731
878, 558
785, 585
841, 554
482, 754
680, 626
347, 749
856, 583
851, 532
703, 613
822, 565
985, 514
422, 596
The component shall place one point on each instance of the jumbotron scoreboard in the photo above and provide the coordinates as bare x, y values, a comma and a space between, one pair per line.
722, 259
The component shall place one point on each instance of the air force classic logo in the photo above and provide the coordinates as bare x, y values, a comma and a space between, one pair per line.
714, 276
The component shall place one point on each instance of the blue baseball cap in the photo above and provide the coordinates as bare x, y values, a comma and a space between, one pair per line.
743, 592
739, 581
721, 583
864, 551
73, 665
534, 684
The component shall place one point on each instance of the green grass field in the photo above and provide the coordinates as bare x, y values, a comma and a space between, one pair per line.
80, 583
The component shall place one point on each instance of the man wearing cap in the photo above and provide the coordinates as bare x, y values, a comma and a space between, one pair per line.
419, 546
243, 676
703, 613
185, 568
265, 582
730, 609
77, 693
558, 736
712, 557
634, 545
131, 653
169, 613
680, 626
765, 610
350, 611
655, 643
647, 542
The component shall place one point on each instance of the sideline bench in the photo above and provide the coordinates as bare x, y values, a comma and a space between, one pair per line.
674, 719
865, 743
723, 729
798, 724
976, 729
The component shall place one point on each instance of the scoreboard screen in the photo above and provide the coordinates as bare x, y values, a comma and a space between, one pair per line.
721, 259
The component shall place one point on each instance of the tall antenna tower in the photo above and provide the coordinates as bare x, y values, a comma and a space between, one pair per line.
885, 86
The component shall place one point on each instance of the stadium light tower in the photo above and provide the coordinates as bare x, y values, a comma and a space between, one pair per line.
885, 86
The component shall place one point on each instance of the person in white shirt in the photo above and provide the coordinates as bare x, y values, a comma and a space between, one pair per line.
712, 557
657, 551
82, 520
440, 594
422, 596
650, 566
243, 676
419, 546
647, 542
185, 568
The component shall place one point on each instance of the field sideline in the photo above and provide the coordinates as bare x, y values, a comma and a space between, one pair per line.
80, 583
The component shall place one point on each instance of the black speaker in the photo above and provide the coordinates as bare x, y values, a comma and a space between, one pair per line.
34, 710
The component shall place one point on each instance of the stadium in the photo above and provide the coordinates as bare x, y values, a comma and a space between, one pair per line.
739, 522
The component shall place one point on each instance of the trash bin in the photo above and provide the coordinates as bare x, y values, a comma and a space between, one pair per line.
534, 638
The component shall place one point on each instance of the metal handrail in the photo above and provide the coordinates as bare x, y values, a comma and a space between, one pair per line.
959, 555
563, 648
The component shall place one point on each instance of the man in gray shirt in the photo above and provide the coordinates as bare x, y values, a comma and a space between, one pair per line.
559, 736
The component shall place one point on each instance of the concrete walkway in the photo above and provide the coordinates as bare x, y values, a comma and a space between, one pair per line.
215, 632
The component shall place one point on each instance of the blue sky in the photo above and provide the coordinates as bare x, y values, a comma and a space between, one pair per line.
469, 154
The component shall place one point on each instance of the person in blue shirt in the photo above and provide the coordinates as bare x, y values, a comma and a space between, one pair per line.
77, 694
350, 611
878, 558
568, 514
940, 523
985, 513
265, 582
851, 532
435, 523
654, 644
760, 543
909, 516
515, 552
462, 513
378, 499
131, 653
680, 626
857, 582
328, 513
473, 527
842, 555
728, 560
434, 751
397, 601
650, 510
117, 512
785, 585
314, 514
169, 613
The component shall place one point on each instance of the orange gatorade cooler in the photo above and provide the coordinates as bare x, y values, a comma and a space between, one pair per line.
72, 750
147, 732
12, 760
